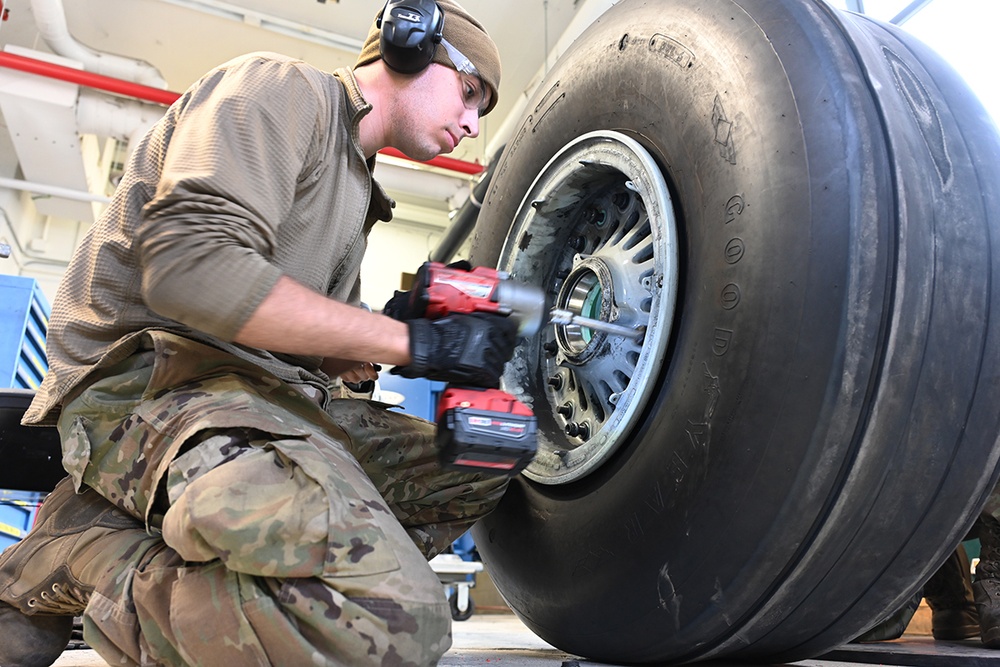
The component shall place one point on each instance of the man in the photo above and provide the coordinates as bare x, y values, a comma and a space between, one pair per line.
221, 507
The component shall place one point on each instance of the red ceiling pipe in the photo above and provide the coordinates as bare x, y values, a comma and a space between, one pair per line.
166, 98
89, 79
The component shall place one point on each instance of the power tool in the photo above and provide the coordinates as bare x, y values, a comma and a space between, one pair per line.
483, 429
480, 429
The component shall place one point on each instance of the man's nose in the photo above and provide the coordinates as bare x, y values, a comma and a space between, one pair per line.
470, 123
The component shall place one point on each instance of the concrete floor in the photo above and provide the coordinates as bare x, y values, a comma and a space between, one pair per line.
501, 640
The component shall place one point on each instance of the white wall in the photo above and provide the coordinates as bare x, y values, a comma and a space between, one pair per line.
393, 249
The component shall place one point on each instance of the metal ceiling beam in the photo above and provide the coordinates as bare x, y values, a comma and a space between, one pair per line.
909, 12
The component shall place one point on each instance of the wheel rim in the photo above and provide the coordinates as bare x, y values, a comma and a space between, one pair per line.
597, 231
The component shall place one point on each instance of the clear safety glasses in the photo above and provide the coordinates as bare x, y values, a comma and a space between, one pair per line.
475, 92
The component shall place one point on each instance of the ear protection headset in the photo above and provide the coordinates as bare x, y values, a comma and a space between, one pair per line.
410, 31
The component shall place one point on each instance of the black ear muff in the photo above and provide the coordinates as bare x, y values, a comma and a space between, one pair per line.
410, 31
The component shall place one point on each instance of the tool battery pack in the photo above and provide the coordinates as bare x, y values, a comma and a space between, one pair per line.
485, 430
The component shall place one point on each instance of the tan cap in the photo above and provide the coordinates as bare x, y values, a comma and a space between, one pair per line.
464, 33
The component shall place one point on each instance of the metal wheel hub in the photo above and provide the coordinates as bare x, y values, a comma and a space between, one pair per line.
587, 291
597, 231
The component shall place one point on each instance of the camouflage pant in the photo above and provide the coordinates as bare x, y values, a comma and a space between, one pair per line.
290, 535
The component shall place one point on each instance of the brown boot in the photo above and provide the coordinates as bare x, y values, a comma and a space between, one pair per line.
46, 579
986, 588
949, 595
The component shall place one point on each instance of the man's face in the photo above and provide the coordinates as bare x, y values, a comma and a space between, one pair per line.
436, 110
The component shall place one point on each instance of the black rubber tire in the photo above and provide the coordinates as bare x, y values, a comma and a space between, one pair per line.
30, 457
786, 490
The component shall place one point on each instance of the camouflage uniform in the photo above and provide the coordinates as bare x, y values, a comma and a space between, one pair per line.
291, 534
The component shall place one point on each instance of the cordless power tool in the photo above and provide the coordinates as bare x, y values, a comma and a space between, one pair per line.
480, 429
484, 429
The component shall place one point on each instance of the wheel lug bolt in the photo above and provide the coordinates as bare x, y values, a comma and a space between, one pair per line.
551, 347
594, 216
572, 429
578, 243
566, 410
556, 382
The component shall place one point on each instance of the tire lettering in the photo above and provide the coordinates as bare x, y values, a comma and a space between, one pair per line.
723, 338
731, 296
671, 50
735, 250
633, 530
734, 208
678, 468
699, 432
723, 131
654, 505
654, 500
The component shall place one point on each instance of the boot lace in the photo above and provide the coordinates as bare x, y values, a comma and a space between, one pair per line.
61, 599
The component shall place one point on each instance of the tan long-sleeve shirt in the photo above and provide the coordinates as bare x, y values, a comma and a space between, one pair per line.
255, 172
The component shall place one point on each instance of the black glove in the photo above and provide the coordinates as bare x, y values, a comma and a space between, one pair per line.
398, 307
464, 349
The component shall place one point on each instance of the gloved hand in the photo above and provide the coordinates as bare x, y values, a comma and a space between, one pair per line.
399, 307
464, 349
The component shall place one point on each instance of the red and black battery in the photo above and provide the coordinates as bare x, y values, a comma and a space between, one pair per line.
485, 430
